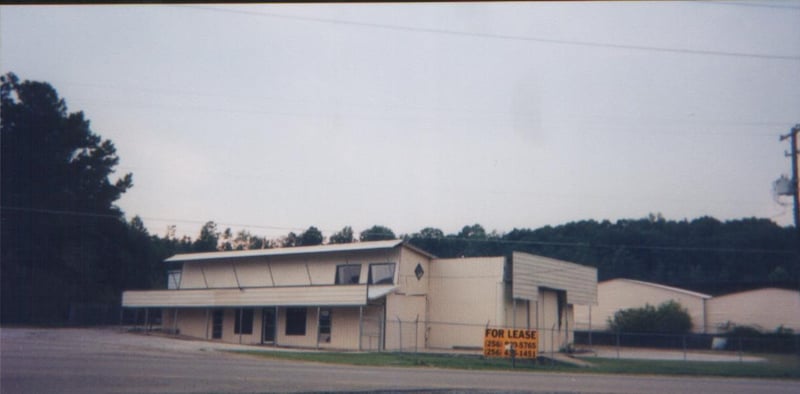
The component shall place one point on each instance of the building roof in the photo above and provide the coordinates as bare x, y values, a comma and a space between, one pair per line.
659, 286
298, 250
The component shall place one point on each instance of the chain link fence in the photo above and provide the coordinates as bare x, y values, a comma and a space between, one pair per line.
786, 343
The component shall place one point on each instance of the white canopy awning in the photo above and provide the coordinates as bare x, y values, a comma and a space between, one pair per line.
263, 296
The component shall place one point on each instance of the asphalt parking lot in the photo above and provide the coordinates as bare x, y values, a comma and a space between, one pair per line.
110, 361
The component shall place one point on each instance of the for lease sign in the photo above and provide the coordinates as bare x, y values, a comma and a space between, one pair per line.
499, 342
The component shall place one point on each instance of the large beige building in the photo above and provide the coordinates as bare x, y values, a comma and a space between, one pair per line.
766, 309
382, 295
619, 294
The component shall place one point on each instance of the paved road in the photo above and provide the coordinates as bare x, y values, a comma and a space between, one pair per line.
107, 361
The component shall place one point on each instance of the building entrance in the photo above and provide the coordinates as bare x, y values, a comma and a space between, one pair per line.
269, 325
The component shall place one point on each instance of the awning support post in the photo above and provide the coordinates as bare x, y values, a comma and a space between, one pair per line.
175, 322
318, 327
275, 340
147, 321
514, 313
207, 313
360, 325
241, 312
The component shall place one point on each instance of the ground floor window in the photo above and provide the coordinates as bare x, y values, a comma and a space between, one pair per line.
244, 322
325, 325
296, 321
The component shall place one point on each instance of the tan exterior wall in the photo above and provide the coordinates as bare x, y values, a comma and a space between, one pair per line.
764, 308
191, 322
407, 279
405, 322
196, 322
619, 294
282, 270
552, 336
531, 272
344, 329
465, 295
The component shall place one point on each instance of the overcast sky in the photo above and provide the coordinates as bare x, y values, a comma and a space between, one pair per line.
274, 118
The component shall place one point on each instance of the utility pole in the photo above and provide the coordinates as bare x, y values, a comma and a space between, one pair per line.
793, 136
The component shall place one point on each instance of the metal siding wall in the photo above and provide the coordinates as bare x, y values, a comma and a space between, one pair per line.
253, 274
407, 309
618, 294
192, 277
191, 322
766, 308
292, 270
531, 272
406, 278
219, 274
280, 296
463, 298
308, 340
344, 329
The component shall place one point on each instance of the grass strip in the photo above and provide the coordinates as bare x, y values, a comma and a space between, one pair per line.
784, 367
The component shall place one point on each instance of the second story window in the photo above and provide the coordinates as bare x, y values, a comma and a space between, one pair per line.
381, 274
174, 279
348, 274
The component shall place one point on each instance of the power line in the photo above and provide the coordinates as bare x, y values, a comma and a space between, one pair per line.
446, 238
684, 51
752, 5
467, 113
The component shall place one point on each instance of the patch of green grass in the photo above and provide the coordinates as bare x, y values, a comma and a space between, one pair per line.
774, 367
768, 369
401, 360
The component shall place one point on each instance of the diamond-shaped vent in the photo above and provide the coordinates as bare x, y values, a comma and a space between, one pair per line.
419, 271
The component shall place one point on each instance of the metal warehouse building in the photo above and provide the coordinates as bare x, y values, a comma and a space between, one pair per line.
382, 295
766, 309
618, 294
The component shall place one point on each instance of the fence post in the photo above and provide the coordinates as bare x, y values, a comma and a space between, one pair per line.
400, 332
740, 349
416, 334
617, 344
684, 348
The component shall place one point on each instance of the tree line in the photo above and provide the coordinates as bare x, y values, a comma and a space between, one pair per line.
67, 252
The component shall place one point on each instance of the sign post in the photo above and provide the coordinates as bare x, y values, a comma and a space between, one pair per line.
510, 343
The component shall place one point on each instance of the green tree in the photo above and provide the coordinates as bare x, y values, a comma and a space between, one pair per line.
312, 236
669, 317
244, 240
291, 240
429, 233
61, 232
226, 240
208, 239
377, 233
474, 231
345, 236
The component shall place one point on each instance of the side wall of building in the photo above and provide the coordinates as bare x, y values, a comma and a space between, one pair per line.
616, 295
765, 308
345, 326
465, 296
306, 270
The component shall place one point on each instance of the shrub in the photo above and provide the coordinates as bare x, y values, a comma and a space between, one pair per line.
669, 317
